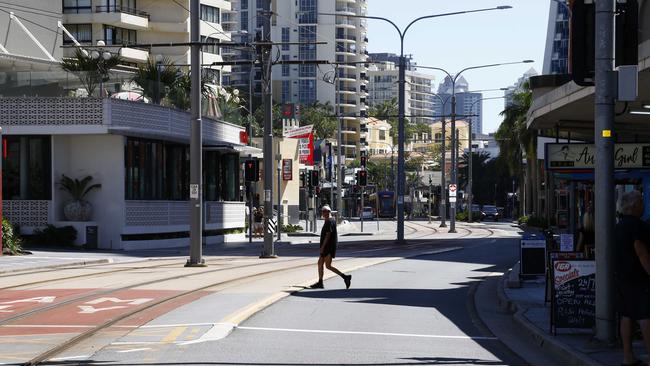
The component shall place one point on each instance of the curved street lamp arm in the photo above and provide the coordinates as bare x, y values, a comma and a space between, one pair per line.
368, 17
490, 65
448, 14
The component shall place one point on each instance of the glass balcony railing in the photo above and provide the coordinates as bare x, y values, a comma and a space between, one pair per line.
121, 9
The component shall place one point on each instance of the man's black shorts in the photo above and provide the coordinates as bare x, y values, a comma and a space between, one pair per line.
634, 300
329, 249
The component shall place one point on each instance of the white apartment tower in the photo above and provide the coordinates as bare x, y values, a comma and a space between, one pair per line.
345, 40
122, 22
384, 87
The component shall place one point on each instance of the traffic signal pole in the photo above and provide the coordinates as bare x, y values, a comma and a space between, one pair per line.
268, 250
604, 170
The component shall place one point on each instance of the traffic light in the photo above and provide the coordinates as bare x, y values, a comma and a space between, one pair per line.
582, 46
303, 178
252, 170
362, 178
314, 181
363, 161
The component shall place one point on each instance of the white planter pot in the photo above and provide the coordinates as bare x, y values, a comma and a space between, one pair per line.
77, 211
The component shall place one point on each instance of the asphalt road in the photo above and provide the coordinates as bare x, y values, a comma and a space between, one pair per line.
417, 311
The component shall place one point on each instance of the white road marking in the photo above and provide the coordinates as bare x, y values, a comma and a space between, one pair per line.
217, 332
134, 350
70, 358
370, 333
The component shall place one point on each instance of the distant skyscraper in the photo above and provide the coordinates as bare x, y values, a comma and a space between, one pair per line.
556, 55
467, 103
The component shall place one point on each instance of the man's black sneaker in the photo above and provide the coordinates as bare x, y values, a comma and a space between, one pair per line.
347, 280
317, 285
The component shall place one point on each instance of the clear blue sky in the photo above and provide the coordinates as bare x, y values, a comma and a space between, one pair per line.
456, 42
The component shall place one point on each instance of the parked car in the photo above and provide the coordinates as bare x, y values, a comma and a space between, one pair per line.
477, 214
491, 212
368, 213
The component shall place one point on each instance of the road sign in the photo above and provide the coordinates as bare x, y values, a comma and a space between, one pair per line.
194, 191
452, 191
452, 199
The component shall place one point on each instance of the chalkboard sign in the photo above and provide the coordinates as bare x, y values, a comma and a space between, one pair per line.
573, 300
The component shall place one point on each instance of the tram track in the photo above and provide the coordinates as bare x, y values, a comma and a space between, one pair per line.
221, 284
96, 274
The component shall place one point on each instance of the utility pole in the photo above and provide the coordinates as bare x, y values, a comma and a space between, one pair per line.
469, 175
196, 142
264, 53
278, 158
454, 159
604, 170
443, 172
400, 145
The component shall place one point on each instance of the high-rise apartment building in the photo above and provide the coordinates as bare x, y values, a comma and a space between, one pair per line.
556, 55
517, 87
384, 87
345, 41
468, 104
394, 58
118, 23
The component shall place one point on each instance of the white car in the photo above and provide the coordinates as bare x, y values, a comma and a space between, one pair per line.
368, 213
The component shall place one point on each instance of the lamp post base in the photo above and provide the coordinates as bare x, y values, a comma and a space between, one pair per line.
452, 231
200, 264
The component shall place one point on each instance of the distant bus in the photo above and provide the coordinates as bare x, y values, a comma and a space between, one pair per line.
384, 203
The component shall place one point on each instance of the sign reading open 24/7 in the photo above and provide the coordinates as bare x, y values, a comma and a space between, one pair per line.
583, 156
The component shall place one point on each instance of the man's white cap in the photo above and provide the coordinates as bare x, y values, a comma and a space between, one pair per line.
326, 208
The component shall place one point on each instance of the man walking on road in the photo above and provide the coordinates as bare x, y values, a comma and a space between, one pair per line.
328, 241
633, 273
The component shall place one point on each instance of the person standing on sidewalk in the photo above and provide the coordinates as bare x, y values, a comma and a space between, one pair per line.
328, 241
632, 273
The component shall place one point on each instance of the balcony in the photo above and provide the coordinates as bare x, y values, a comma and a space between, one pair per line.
346, 9
344, 37
120, 16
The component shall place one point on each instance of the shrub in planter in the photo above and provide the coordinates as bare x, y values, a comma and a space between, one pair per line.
78, 209
12, 242
291, 228
52, 235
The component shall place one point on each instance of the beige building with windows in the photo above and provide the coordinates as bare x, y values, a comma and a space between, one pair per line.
379, 137
60, 25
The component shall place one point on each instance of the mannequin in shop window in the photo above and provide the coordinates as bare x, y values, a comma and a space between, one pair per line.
587, 234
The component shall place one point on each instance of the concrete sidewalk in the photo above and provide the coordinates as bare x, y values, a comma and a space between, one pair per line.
532, 315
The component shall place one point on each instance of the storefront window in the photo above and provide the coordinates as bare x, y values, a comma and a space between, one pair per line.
158, 170
26, 168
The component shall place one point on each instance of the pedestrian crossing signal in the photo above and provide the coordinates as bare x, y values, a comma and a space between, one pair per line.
362, 178
363, 161
252, 170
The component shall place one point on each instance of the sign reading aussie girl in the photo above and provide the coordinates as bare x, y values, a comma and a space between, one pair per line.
583, 156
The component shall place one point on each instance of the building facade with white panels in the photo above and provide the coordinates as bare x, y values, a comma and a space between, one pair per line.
138, 152
384, 87
345, 40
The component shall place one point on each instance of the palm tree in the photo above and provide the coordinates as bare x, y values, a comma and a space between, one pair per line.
90, 71
321, 116
156, 79
516, 141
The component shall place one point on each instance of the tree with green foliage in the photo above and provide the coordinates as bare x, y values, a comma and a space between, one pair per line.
90, 71
321, 115
156, 79
516, 141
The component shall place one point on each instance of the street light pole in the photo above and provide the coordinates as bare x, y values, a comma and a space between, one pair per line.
454, 148
470, 182
401, 179
268, 250
196, 143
